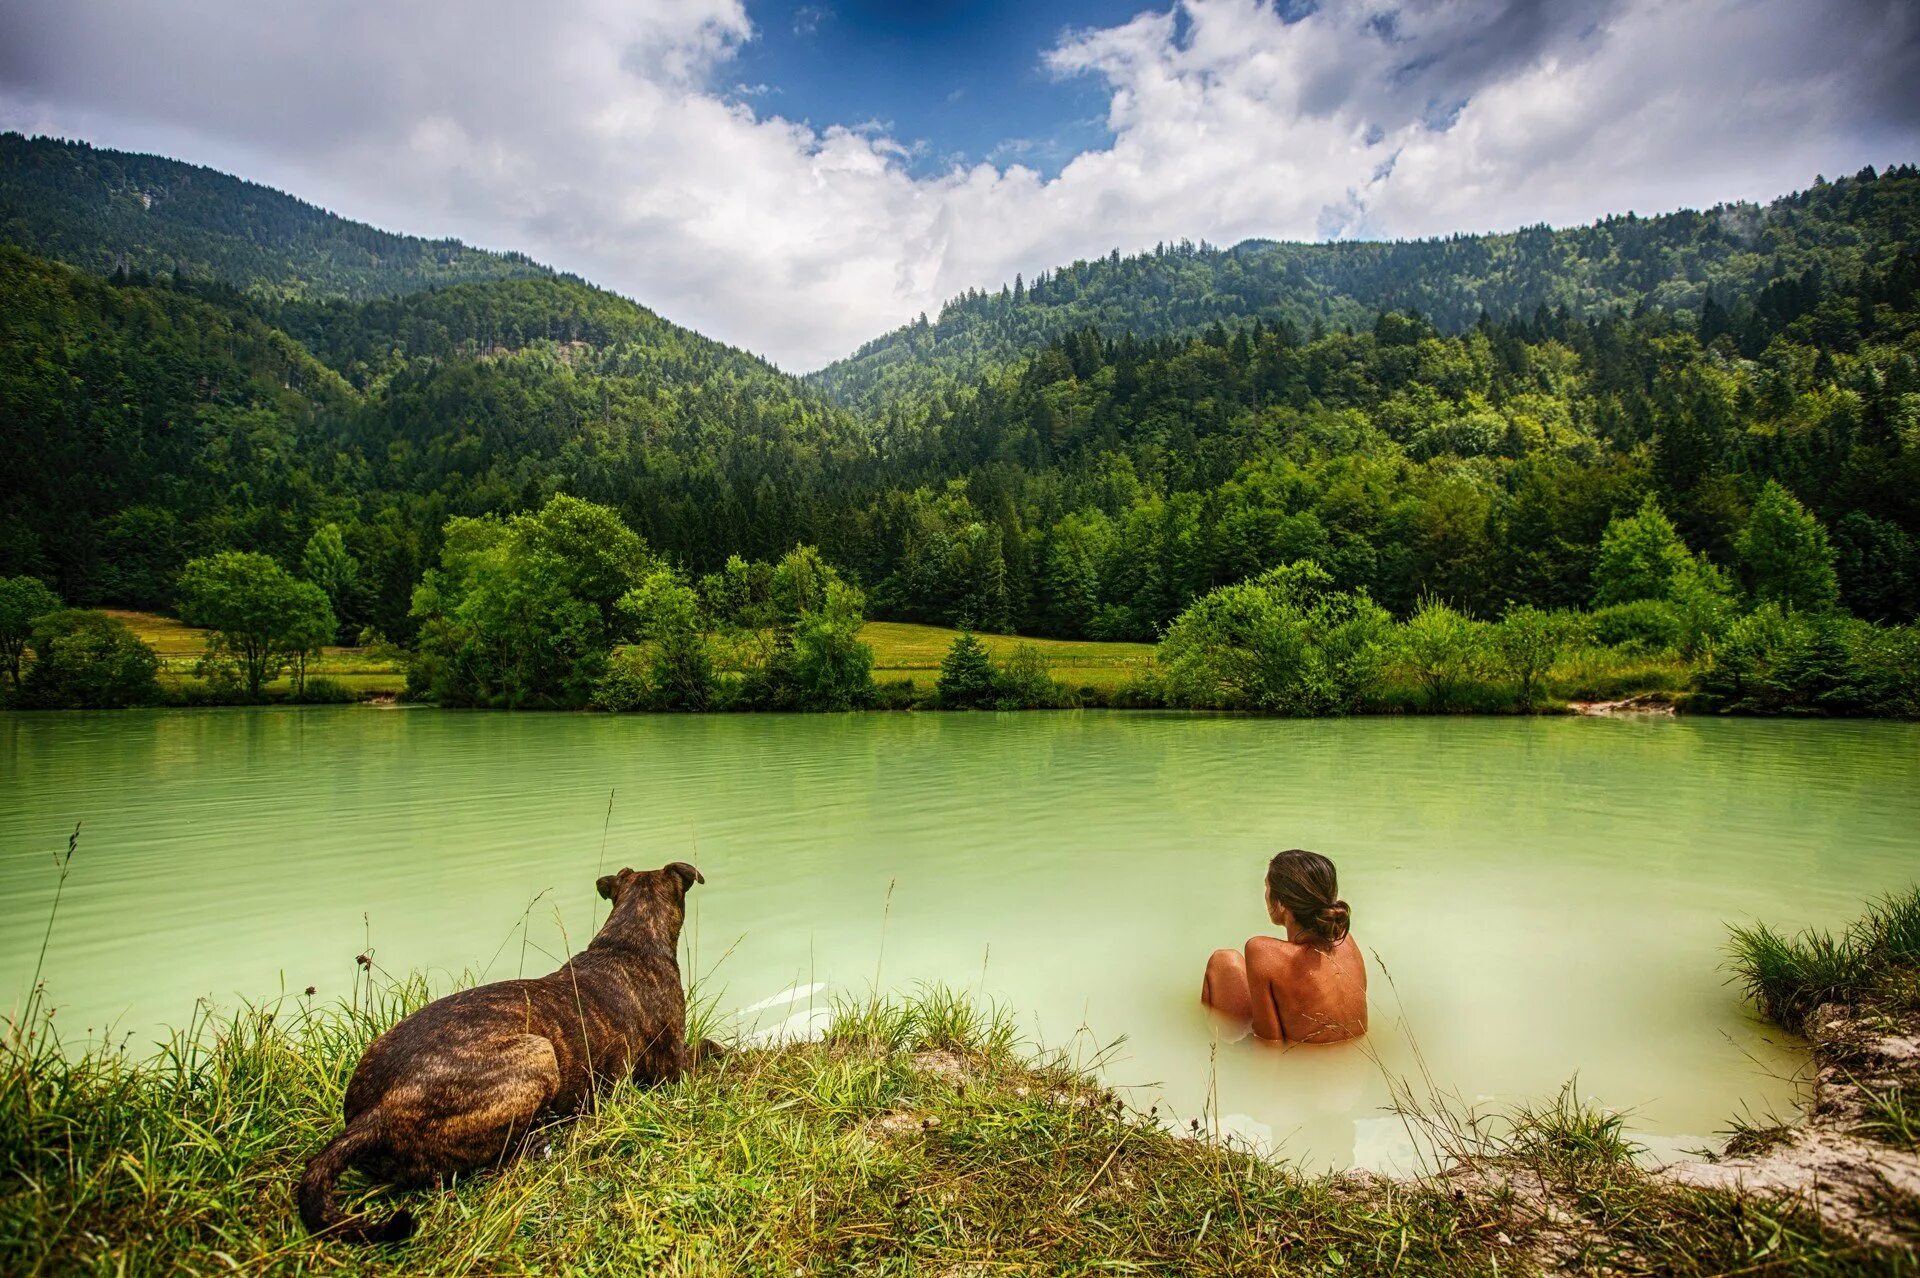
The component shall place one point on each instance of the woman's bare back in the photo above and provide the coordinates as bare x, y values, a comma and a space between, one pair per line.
1295, 992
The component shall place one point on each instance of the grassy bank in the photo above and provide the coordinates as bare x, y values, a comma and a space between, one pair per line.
918, 1137
1854, 1155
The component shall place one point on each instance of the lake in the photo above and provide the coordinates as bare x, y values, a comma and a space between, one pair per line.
1539, 898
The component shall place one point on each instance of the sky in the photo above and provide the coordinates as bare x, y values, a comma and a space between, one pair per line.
799, 178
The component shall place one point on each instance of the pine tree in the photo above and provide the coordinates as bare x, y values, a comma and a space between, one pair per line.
966, 675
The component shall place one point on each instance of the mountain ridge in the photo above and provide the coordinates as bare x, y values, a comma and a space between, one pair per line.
1670, 261
103, 210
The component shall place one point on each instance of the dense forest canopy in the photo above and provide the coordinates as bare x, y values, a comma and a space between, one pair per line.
1083, 456
112, 210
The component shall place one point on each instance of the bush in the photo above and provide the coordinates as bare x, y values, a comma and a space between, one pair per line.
1527, 643
524, 611
672, 667
824, 665
1283, 642
627, 683
895, 694
88, 660
322, 691
1772, 661
1648, 627
1446, 653
1025, 681
1887, 669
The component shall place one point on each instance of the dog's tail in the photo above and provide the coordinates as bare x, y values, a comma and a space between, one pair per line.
322, 1215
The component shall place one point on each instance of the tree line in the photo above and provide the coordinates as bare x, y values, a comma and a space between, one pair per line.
1099, 485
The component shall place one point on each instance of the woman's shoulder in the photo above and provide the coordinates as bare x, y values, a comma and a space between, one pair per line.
1274, 950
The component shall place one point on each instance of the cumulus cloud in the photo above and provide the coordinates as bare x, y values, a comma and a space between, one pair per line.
605, 137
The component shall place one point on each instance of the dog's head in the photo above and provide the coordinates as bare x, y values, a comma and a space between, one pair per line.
656, 899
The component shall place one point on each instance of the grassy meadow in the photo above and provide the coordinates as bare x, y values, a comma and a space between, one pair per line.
901, 651
179, 647
907, 650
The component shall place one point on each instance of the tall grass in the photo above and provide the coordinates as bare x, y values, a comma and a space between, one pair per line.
1876, 958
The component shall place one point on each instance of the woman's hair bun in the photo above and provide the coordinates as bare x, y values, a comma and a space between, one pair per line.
1307, 884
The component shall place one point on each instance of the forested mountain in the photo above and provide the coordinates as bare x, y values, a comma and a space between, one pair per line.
113, 210
1080, 458
148, 422
1677, 261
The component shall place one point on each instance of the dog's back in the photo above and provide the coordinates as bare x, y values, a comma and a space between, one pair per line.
461, 1082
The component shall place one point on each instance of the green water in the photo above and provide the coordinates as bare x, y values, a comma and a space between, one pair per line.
1549, 896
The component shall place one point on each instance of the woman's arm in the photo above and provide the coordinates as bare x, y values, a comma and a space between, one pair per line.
1263, 991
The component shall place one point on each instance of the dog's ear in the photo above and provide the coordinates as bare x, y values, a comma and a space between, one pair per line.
688, 874
605, 885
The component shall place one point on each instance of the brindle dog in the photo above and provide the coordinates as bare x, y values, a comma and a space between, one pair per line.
461, 1082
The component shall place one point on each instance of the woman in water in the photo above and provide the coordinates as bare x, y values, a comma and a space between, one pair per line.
1309, 988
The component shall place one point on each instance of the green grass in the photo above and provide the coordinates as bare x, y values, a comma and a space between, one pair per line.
1570, 1136
1876, 959
179, 647
906, 650
1892, 1116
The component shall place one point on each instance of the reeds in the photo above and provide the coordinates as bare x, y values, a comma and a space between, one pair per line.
1790, 976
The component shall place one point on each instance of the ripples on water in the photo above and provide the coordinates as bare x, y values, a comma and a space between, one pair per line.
1548, 896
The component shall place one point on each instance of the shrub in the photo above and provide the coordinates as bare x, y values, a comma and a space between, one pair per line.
664, 612
1284, 641
1528, 642
88, 660
524, 611
1703, 604
1644, 626
1775, 661
626, 684
895, 694
1025, 681
824, 665
1886, 673
1446, 653
320, 690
